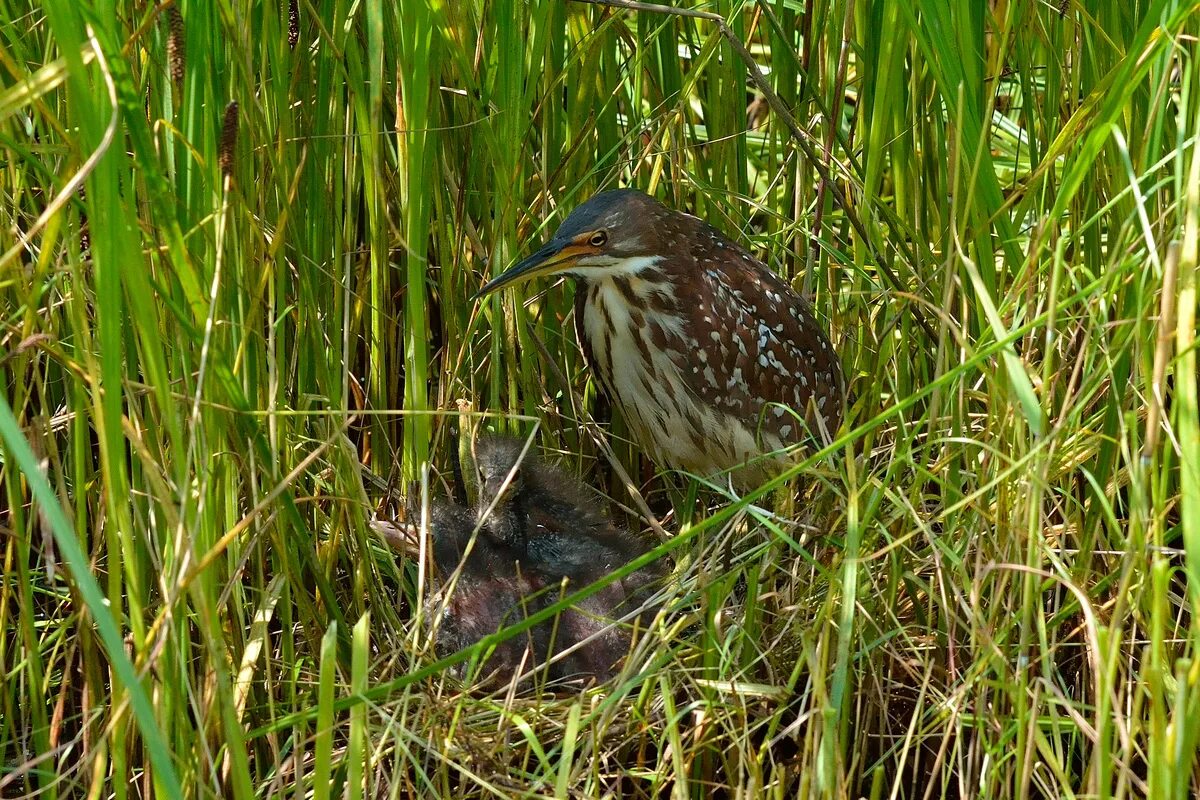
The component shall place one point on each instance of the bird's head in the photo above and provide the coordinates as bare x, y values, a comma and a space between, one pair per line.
500, 466
615, 232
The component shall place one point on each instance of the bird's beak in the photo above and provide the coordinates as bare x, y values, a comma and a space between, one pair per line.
556, 255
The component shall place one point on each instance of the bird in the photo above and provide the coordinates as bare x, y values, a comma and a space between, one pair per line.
544, 513
532, 536
489, 594
715, 362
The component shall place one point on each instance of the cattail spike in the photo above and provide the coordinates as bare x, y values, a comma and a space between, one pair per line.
176, 45
229, 131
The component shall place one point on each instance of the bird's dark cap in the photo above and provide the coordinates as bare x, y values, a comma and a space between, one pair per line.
605, 208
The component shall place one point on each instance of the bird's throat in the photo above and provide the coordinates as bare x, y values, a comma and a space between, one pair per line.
596, 269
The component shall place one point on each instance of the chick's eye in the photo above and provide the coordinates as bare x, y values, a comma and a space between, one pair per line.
599, 239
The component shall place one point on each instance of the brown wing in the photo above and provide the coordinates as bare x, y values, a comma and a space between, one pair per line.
756, 343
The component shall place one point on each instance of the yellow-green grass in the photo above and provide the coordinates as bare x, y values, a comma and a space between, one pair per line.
211, 317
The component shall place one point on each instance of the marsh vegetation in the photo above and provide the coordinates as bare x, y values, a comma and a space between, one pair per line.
238, 243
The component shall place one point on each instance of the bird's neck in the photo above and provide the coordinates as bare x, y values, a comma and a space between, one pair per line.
627, 297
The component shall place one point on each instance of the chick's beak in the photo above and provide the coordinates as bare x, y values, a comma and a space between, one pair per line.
557, 255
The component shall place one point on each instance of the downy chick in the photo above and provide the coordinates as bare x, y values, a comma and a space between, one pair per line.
539, 538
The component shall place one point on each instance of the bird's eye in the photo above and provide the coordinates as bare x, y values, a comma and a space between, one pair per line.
599, 239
